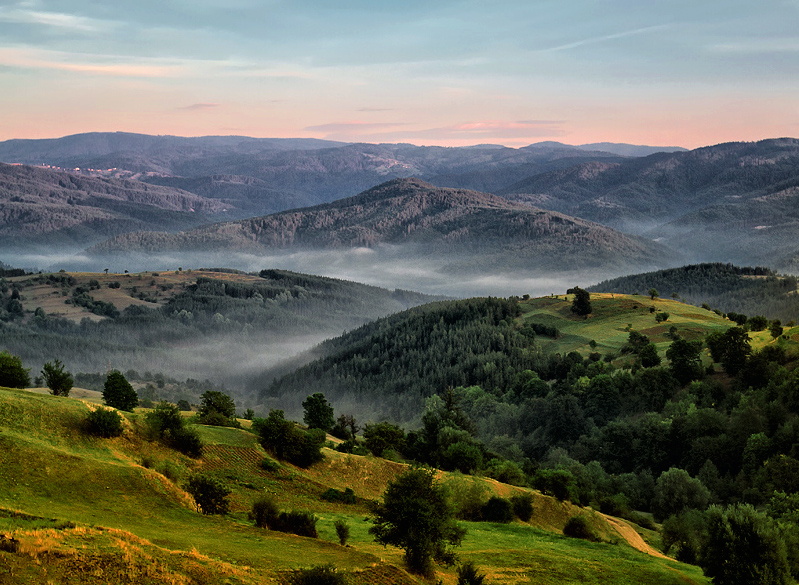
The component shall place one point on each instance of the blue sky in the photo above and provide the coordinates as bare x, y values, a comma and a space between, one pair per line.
669, 72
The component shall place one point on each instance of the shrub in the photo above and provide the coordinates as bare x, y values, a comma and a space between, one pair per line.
342, 531
209, 493
382, 436
169, 470
296, 522
104, 422
185, 440
264, 512
468, 575
321, 575
497, 510
578, 527
269, 464
522, 506
347, 496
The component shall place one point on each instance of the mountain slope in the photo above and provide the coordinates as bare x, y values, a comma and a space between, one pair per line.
730, 202
460, 228
43, 206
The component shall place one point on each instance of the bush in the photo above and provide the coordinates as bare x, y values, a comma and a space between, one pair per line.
169, 470
342, 531
578, 527
104, 422
321, 575
497, 510
185, 440
286, 441
384, 436
167, 425
269, 464
264, 512
345, 497
209, 493
468, 575
522, 506
296, 522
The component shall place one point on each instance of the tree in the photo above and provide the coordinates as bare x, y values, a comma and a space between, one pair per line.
58, 380
653, 293
167, 424
209, 494
382, 436
12, 374
649, 356
416, 517
776, 328
286, 441
318, 412
217, 408
731, 349
581, 305
676, 491
118, 392
660, 317
686, 364
743, 546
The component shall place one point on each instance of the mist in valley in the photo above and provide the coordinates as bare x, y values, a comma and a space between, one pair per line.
244, 359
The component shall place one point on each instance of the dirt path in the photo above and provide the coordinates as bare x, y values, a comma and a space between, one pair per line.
634, 539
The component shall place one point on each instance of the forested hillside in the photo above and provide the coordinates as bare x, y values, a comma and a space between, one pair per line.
222, 325
636, 395
453, 228
728, 288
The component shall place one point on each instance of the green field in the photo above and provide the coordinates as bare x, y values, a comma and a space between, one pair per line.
612, 318
87, 510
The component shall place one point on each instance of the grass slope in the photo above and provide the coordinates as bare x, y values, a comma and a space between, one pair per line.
612, 317
87, 510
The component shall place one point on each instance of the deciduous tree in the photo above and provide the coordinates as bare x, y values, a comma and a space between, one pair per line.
416, 517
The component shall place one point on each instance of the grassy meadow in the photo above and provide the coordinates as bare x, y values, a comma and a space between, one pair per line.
95, 510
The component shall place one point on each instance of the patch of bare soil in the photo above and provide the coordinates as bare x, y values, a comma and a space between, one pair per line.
634, 539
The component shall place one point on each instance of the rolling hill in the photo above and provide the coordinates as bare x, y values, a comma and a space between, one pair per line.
78, 509
458, 229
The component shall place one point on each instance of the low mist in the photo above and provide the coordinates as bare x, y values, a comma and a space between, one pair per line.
388, 267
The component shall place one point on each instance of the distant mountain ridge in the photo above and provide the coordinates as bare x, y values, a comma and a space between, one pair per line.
460, 227
45, 207
735, 202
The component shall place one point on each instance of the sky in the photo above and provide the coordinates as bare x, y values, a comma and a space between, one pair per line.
445, 72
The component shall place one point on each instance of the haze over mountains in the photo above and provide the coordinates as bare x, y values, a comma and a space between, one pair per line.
732, 202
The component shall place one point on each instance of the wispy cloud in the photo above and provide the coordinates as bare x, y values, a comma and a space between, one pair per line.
489, 130
26, 58
605, 38
201, 106
55, 19
353, 127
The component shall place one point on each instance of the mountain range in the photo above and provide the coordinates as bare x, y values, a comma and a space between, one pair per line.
733, 202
